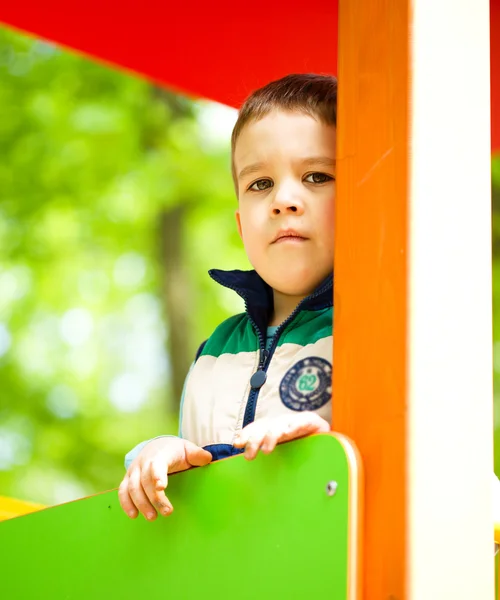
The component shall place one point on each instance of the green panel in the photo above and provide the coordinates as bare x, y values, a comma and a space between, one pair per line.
265, 529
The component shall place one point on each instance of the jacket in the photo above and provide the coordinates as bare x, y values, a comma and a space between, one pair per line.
236, 379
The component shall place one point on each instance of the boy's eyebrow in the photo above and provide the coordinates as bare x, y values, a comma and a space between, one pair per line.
250, 169
325, 161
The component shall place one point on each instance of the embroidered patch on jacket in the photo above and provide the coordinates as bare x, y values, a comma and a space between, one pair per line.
307, 385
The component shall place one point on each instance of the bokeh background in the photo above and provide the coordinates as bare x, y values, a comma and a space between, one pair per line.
115, 200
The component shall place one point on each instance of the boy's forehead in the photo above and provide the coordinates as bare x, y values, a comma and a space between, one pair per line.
284, 134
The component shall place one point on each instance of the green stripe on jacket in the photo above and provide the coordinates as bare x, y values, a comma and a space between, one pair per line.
236, 334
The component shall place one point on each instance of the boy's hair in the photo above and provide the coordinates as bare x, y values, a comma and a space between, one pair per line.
314, 95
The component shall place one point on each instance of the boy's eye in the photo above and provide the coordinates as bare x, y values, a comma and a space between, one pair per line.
261, 185
318, 178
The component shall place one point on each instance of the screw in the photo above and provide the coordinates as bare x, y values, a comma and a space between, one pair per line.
331, 488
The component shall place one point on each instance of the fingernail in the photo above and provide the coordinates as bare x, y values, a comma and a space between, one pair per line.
151, 515
131, 514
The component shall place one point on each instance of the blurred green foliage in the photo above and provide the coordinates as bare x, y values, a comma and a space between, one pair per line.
495, 231
91, 159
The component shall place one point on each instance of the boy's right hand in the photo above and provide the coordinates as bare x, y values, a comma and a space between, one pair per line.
142, 488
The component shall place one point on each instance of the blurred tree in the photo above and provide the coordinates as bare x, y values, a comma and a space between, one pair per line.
495, 176
105, 180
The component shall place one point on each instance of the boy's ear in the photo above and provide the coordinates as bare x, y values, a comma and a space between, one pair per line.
238, 223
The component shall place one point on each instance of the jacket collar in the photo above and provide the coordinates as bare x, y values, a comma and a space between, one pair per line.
258, 295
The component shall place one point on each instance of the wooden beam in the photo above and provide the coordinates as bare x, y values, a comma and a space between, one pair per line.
396, 304
450, 396
370, 381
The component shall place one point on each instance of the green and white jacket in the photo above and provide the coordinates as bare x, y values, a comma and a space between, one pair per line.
239, 377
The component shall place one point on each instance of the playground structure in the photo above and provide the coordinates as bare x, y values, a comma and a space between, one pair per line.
223, 514
414, 99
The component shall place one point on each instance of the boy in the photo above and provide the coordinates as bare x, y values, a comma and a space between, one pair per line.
264, 376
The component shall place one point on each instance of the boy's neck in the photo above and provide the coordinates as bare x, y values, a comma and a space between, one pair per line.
284, 306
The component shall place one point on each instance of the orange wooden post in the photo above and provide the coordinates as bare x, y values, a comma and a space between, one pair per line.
412, 366
371, 274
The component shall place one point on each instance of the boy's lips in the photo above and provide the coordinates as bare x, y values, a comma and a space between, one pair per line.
288, 235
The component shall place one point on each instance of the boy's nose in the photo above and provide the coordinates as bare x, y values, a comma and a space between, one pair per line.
286, 203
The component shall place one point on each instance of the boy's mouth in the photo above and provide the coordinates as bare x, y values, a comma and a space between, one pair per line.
288, 235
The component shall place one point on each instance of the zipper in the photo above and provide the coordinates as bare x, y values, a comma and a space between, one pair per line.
266, 355
262, 346
263, 357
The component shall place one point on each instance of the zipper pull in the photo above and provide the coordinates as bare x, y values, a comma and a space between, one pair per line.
258, 379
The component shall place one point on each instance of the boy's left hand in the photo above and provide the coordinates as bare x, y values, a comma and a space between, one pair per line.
266, 434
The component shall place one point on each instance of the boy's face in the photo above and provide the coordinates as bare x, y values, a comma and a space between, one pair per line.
285, 178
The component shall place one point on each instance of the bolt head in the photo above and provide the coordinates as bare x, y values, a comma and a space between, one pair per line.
331, 488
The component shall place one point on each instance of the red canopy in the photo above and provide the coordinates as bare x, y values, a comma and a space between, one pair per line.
219, 50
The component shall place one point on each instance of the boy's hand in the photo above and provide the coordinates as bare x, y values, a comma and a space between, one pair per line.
142, 488
266, 434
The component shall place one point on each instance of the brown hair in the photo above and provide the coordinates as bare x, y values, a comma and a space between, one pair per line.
314, 95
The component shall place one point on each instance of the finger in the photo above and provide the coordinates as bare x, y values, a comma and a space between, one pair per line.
159, 480
317, 424
138, 495
159, 471
241, 438
323, 425
269, 442
253, 445
196, 456
292, 430
125, 499
303, 424
149, 484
